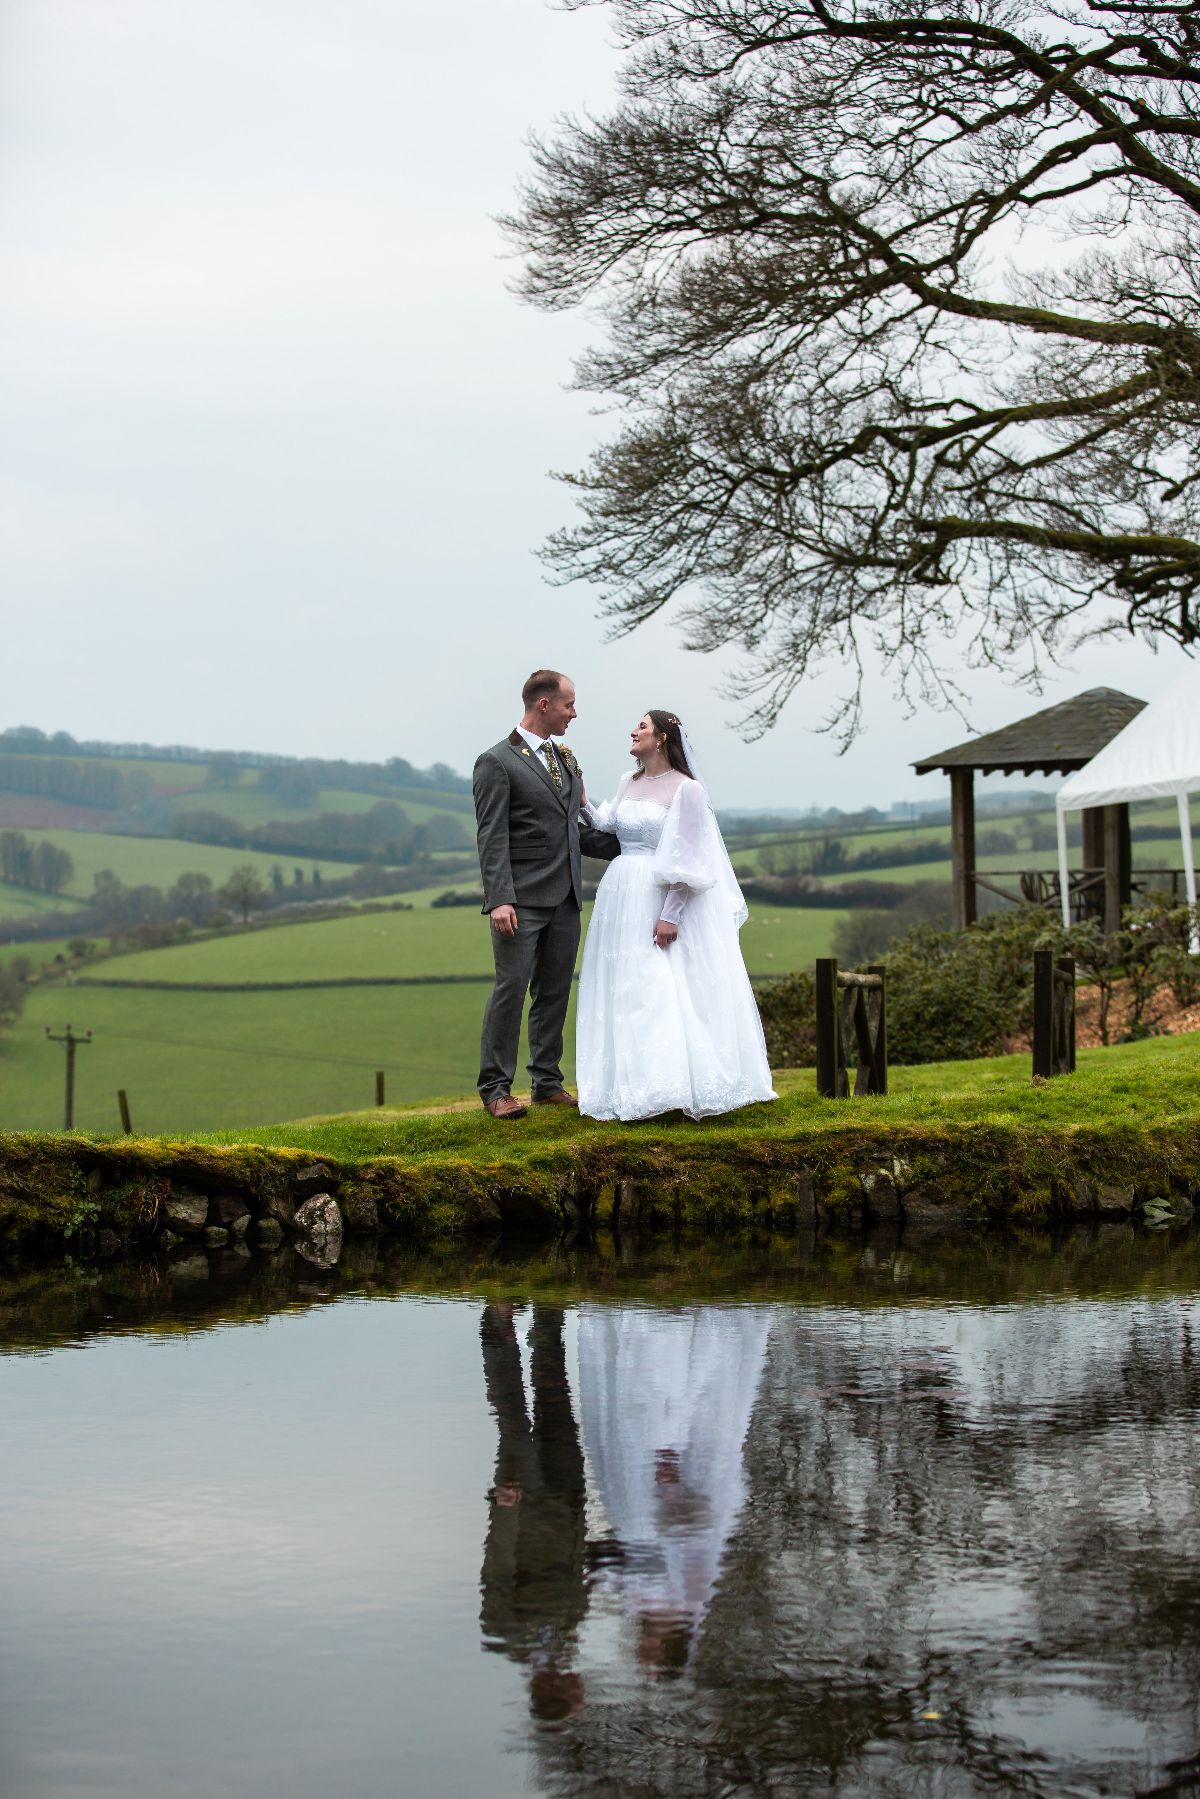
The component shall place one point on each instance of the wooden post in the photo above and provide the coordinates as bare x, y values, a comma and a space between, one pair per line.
1053, 1014
72, 1042
1118, 865
1066, 977
1093, 837
1043, 1012
829, 1033
379, 1086
879, 1068
123, 1103
962, 844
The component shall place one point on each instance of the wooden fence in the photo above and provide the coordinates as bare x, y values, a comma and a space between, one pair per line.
851, 1028
1053, 1014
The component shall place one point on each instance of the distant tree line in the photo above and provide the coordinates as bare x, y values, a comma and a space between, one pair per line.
149, 915
384, 833
82, 783
358, 777
40, 866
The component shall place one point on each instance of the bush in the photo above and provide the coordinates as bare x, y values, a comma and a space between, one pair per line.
788, 1012
951, 995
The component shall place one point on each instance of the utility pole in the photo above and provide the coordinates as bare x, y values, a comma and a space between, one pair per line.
71, 1041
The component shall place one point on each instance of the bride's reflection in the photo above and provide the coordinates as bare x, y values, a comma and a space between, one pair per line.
665, 1401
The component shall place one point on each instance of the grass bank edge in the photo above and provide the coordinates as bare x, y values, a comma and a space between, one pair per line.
959, 1144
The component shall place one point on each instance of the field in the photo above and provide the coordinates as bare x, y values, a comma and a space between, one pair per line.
196, 1061
149, 861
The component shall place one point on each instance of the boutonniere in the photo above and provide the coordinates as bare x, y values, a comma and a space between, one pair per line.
567, 757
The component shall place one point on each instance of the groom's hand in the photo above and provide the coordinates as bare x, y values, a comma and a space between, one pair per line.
504, 920
665, 934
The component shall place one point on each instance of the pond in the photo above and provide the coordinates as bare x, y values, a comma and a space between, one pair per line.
866, 1518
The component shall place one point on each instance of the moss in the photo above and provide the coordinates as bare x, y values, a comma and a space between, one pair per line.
980, 1150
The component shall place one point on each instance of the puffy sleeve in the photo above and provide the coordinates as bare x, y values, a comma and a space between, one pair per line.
602, 814
691, 856
690, 847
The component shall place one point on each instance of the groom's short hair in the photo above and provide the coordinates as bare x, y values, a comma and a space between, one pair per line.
542, 684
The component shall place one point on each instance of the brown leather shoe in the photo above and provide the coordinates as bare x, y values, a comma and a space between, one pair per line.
561, 1098
505, 1106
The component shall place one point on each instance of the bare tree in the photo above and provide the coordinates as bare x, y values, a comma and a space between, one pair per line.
244, 889
904, 328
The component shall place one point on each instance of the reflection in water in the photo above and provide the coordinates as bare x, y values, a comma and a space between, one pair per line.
845, 1519
968, 1559
666, 1398
533, 1562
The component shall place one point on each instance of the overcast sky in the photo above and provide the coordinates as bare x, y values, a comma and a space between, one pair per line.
276, 435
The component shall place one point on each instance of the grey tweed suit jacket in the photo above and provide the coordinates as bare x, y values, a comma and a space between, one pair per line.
530, 837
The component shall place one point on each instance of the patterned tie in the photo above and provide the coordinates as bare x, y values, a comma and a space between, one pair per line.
555, 771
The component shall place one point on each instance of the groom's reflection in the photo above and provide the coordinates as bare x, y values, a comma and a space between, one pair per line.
533, 1584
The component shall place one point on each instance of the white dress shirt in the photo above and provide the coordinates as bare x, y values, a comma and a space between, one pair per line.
537, 744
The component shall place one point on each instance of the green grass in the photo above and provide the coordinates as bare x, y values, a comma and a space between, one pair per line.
192, 1061
154, 861
967, 1142
195, 1061
438, 941
1157, 1082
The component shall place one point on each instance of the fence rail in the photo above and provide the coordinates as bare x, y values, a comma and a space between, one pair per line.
851, 1028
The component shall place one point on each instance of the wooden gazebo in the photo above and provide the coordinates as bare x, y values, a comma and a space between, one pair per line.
1057, 740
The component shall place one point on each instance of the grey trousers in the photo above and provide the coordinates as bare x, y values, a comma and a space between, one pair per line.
540, 961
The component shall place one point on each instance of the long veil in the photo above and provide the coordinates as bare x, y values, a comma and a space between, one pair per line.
727, 881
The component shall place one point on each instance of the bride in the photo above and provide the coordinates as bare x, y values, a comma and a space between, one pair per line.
666, 1018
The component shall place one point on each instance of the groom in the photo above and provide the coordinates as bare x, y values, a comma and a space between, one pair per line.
527, 797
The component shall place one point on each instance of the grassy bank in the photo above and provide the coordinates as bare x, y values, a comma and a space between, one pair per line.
953, 1144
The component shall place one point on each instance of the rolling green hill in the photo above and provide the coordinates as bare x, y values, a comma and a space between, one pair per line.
151, 861
202, 1061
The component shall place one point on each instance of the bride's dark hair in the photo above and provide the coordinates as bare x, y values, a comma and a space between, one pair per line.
668, 724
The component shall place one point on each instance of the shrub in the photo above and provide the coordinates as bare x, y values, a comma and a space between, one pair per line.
788, 1012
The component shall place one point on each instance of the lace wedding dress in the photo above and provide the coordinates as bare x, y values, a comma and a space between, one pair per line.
660, 1030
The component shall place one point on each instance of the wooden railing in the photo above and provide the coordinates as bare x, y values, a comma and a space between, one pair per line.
851, 1027
1053, 1014
1085, 891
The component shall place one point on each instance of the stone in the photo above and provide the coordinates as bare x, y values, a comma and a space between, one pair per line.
880, 1197
1114, 1202
1081, 1197
360, 1210
267, 1232
227, 1209
238, 1227
186, 1213
280, 1206
318, 1222
806, 1199
319, 1254
923, 1208
307, 1183
107, 1243
215, 1236
188, 1268
168, 1239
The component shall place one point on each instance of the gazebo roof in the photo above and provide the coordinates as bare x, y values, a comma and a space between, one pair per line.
1054, 741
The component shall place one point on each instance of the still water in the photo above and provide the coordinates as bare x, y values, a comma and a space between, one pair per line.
854, 1520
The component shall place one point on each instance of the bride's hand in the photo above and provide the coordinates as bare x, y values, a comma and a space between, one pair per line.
665, 934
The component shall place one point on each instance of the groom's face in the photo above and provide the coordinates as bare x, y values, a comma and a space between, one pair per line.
560, 710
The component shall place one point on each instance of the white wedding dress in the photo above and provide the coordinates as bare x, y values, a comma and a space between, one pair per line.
660, 1030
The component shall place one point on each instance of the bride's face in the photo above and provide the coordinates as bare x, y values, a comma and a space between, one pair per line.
644, 739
